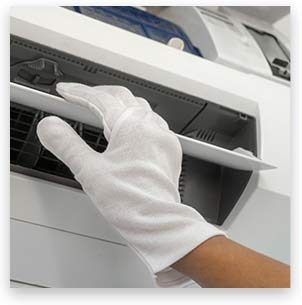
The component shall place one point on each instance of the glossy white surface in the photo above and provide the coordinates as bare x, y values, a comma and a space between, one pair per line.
260, 220
222, 156
54, 258
58, 206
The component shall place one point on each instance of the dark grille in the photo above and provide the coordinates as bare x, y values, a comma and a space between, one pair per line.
27, 152
205, 135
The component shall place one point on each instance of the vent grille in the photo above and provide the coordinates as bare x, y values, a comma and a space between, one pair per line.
205, 135
28, 156
26, 150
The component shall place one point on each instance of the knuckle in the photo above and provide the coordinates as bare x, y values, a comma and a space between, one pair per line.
123, 90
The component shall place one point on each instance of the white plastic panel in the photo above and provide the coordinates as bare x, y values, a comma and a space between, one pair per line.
53, 104
57, 206
53, 258
261, 221
191, 147
219, 155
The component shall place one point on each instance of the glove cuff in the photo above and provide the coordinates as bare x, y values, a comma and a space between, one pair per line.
171, 278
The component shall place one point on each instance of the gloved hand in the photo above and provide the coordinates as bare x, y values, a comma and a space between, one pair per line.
134, 183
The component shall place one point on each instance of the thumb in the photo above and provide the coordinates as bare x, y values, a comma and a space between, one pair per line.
61, 140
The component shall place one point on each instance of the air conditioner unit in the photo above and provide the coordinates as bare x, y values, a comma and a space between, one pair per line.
218, 142
220, 133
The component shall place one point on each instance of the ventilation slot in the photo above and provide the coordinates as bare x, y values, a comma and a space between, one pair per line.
205, 135
90, 69
29, 156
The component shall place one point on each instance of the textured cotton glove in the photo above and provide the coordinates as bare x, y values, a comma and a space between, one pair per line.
134, 183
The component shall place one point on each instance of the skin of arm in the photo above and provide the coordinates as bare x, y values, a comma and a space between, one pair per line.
222, 263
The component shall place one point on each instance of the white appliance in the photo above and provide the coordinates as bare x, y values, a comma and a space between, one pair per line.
225, 125
226, 39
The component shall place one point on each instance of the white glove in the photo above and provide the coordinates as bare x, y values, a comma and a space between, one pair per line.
134, 183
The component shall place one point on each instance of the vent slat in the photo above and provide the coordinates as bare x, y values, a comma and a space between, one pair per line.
27, 151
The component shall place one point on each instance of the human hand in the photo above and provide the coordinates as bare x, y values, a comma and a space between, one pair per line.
134, 183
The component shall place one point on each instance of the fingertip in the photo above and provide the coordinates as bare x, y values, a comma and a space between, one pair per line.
61, 139
71, 88
63, 86
49, 128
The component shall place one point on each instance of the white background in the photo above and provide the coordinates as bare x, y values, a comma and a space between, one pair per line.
152, 296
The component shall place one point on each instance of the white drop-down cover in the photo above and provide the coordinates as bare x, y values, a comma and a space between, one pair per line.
198, 149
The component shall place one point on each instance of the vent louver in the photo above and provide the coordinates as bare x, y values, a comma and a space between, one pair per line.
29, 156
205, 135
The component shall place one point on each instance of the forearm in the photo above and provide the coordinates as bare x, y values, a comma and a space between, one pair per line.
220, 262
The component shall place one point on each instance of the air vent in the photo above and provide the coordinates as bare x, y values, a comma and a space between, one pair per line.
205, 135
29, 156
90, 69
